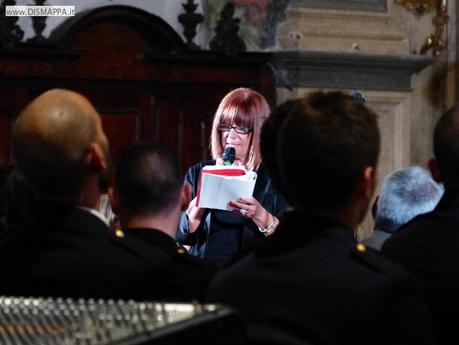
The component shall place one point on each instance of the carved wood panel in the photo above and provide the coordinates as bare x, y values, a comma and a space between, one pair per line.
139, 76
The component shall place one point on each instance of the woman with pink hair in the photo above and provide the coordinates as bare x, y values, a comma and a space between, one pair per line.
216, 235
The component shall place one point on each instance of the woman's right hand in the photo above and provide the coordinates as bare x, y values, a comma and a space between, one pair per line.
194, 214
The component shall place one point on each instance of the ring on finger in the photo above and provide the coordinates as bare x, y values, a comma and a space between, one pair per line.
243, 211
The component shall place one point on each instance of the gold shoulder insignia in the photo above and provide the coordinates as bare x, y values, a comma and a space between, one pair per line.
360, 248
119, 233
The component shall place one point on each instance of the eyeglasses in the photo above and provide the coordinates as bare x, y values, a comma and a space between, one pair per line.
239, 130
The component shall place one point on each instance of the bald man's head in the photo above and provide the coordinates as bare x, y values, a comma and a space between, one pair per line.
51, 140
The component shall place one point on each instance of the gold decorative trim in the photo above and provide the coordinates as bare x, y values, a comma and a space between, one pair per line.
418, 7
435, 41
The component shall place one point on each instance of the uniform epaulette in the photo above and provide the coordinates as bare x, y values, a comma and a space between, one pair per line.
372, 259
180, 254
181, 250
119, 233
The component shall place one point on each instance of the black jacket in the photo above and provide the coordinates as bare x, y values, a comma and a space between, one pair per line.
168, 271
203, 242
69, 252
311, 283
428, 246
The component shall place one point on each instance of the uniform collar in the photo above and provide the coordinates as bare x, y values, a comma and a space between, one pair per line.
95, 213
153, 236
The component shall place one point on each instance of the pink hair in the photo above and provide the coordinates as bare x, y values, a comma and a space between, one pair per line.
242, 107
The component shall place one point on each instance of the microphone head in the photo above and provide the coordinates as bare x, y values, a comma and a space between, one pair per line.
229, 154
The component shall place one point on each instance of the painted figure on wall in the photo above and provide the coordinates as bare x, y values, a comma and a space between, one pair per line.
259, 19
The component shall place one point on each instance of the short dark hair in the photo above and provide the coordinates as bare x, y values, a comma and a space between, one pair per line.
324, 145
147, 178
446, 147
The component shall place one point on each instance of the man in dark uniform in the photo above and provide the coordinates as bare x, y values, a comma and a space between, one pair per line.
428, 245
63, 248
404, 194
310, 282
148, 196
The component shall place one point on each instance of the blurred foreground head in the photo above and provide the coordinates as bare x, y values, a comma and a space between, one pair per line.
148, 180
58, 142
323, 150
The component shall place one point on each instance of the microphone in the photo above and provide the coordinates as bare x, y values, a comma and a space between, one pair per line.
229, 154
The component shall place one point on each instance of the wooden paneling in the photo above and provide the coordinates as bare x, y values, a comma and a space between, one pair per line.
136, 71
121, 129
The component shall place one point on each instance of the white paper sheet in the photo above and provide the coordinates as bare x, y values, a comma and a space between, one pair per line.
216, 188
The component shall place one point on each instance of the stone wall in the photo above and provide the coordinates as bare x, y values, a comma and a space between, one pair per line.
407, 117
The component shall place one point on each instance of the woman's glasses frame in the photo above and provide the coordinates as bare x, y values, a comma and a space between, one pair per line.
239, 130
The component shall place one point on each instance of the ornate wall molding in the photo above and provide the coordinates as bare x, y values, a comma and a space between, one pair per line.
435, 41
347, 70
348, 5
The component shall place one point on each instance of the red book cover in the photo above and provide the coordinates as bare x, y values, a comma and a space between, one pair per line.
227, 183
